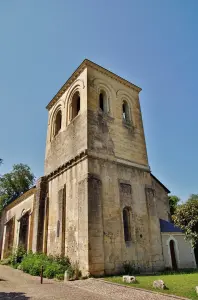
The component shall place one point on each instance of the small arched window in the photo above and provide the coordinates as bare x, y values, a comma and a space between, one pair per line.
125, 112
75, 106
126, 223
58, 122
58, 229
103, 102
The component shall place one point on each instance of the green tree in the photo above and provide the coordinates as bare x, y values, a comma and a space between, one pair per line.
186, 217
173, 202
15, 183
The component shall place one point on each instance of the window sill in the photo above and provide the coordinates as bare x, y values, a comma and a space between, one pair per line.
128, 124
55, 136
73, 120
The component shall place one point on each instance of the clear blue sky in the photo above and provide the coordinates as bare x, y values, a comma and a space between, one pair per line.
153, 44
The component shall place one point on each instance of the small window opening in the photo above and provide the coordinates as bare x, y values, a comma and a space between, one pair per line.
101, 101
58, 228
125, 112
126, 222
58, 122
75, 105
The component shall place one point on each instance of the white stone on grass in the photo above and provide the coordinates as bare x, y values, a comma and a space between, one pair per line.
159, 284
129, 279
196, 289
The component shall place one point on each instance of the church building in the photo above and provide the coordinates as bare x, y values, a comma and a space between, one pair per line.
98, 202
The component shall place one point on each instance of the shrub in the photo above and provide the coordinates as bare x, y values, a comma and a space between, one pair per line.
130, 268
6, 261
17, 256
70, 272
59, 276
62, 260
33, 262
77, 272
54, 269
53, 266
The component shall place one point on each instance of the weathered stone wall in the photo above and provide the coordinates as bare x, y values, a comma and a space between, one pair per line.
162, 202
15, 210
119, 159
108, 135
72, 138
39, 215
145, 249
73, 182
2, 221
95, 225
92, 192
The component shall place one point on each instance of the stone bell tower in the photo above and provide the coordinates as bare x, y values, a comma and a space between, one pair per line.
98, 209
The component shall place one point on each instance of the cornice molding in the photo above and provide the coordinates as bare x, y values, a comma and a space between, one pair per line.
89, 154
21, 198
69, 164
80, 69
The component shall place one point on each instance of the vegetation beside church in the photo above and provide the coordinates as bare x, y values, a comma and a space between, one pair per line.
186, 217
15, 183
53, 266
173, 202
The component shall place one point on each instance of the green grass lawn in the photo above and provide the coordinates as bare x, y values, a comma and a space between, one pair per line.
178, 284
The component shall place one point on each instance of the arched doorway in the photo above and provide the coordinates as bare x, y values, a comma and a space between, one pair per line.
23, 233
196, 253
173, 255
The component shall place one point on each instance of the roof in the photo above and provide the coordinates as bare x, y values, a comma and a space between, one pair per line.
15, 201
166, 226
155, 178
79, 70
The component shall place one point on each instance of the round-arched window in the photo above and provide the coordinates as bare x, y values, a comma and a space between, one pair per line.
125, 112
103, 101
58, 122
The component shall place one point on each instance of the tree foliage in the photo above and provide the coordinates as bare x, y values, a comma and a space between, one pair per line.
186, 217
15, 183
173, 202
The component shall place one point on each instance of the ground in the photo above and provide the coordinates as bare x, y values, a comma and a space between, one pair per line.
182, 284
15, 284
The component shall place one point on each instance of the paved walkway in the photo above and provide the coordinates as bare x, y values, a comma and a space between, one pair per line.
15, 284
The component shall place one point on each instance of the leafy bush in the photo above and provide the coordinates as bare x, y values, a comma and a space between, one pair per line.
54, 269
70, 272
77, 272
59, 276
53, 266
130, 268
6, 261
33, 262
17, 256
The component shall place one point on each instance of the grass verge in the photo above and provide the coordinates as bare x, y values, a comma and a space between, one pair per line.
178, 284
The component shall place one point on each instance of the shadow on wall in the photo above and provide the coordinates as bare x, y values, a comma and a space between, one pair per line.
19, 296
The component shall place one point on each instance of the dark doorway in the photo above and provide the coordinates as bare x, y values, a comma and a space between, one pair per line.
9, 238
196, 253
23, 234
173, 255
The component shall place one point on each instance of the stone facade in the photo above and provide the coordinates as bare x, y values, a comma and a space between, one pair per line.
16, 224
98, 202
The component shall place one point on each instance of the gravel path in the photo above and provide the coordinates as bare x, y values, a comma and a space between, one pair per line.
15, 284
